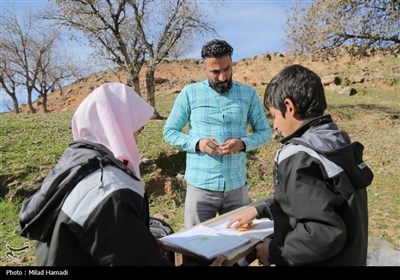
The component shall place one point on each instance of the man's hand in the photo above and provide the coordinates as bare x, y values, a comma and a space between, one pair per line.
231, 146
209, 146
243, 218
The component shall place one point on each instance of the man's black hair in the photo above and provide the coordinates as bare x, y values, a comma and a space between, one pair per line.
302, 86
216, 48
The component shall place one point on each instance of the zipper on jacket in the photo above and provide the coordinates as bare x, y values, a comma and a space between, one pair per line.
101, 169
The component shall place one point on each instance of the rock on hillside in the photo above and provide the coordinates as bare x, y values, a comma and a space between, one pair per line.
173, 75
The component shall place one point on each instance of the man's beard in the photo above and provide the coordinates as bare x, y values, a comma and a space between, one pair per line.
220, 87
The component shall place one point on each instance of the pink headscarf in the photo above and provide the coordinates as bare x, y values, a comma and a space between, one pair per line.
109, 116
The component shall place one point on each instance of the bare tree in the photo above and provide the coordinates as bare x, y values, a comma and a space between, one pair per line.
8, 81
54, 68
360, 24
109, 27
162, 27
16, 48
30, 60
126, 32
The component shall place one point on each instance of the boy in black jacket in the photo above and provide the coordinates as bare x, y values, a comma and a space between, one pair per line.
319, 205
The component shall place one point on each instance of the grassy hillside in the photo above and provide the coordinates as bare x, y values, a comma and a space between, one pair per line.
30, 145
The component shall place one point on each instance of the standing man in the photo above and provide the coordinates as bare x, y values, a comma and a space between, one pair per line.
218, 112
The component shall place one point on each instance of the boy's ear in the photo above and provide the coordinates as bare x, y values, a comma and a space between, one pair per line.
290, 108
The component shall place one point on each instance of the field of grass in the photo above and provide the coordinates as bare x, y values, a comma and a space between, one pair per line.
30, 145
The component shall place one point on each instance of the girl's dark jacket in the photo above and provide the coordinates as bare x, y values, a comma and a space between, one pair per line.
319, 205
90, 210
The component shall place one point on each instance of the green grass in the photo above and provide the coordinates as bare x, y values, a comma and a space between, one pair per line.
10, 236
30, 145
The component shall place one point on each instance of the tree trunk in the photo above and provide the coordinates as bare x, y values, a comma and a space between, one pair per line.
133, 81
33, 110
136, 85
44, 104
15, 104
151, 89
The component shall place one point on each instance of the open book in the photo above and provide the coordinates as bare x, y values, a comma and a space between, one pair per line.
210, 242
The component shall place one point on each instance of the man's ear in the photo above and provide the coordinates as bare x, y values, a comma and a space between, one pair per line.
290, 108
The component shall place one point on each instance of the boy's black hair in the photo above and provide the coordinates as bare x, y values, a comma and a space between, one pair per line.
216, 48
302, 86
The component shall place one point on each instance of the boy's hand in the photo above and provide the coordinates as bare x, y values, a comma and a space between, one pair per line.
243, 218
245, 227
219, 261
263, 252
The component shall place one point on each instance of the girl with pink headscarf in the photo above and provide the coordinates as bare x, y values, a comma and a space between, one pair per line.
109, 116
92, 208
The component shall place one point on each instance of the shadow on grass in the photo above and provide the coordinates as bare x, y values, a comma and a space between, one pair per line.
16, 187
170, 164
